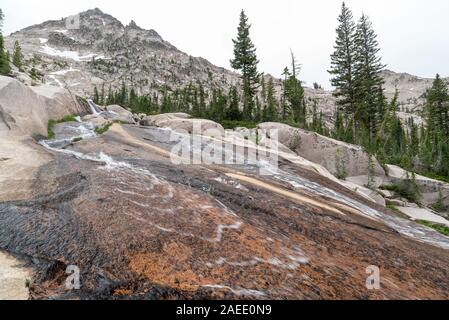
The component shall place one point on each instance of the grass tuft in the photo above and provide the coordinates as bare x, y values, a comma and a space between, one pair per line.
52, 123
438, 227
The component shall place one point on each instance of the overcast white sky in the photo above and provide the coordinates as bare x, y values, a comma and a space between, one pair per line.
413, 34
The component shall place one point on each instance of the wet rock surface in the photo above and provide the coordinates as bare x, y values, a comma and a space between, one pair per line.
139, 227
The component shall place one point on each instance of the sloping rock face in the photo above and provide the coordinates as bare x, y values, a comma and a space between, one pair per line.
120, 114
430, 189
182, 122
27, 110
323, 150
138, 226
424, 214
24, 112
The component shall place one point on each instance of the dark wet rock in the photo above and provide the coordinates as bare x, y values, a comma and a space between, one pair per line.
139, 227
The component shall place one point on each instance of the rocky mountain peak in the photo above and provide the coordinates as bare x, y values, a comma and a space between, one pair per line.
95, 11
101, 50
133, 25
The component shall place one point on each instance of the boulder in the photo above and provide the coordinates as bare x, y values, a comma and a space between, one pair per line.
323, 150
25, 111
430, 188
397, 202
118, 113
139, 117
369, 194
97, 120
363, 180
20, 160
424, 214
181, 122
427, 185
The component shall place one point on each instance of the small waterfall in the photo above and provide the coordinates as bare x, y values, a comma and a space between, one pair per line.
93, 107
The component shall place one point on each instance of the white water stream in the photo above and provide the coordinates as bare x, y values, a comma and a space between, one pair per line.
403, 226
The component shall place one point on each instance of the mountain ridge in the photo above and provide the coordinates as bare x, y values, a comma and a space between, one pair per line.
105, 51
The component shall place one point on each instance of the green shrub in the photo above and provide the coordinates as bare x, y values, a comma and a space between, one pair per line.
435, 177
439, 206
69, 118
438, 227
77, 139
341, 172
232, 124
295, 141
407, 189
104, 129
51, 125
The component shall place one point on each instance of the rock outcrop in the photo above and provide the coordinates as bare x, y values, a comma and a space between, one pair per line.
139, 226
182, 122
24, 113
26, 110
324, 151
118, 113
431, 189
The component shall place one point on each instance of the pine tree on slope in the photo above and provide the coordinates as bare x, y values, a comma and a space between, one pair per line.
17, 55
245, 60
342, 63
367, 79
5, 69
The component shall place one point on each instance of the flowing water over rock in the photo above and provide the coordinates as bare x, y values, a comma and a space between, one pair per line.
138, 226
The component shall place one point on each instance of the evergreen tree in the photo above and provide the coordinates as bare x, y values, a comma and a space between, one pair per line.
286, 112
102, 97
17, 55
122, 98
438, 107
435, 153
342, 64
341, 172
367, 79
110, 97
414, 139
5, 69
33, 73
167, 103
371, 172
202, 103
294, 94
393, 144
233, 112
245, 60
96, 98
339, 129
270, 114
217, 106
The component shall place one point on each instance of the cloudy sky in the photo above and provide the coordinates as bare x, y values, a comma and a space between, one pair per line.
413, 34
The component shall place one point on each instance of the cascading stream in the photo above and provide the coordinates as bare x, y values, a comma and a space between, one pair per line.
403, 226
406, 227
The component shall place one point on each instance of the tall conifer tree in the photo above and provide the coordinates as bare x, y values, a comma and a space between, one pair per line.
342, 63
367, 79
4, 61
245, 60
